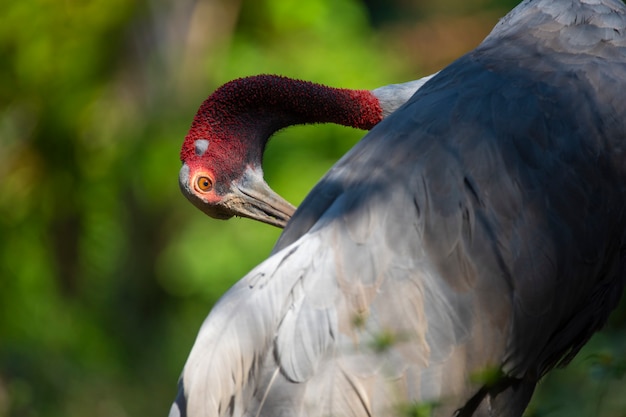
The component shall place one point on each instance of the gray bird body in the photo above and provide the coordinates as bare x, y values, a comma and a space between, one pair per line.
472, 241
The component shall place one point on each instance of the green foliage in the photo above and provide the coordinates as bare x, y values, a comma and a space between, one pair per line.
423, 409
592, 385
106, 271
487, 377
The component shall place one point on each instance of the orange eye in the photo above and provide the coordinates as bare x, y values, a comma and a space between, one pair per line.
204, 184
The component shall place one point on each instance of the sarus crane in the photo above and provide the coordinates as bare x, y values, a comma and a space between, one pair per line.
473, 240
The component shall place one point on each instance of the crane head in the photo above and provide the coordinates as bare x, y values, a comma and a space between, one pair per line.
246, 196
222, 153
221, 184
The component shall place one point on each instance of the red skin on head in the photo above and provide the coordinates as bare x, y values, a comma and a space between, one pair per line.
239, 117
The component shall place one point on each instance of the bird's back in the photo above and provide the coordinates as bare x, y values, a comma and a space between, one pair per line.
470, 242
517, 153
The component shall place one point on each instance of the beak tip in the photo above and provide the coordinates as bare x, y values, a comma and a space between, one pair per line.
262, 203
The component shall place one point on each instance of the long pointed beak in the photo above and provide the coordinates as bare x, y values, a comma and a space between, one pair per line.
259, 202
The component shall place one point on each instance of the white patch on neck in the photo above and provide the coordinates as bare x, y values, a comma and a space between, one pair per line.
201, 146
392, 96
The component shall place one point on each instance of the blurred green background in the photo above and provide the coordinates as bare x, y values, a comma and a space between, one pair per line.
106, 271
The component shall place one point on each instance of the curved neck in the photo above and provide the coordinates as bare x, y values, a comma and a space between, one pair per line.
249, 110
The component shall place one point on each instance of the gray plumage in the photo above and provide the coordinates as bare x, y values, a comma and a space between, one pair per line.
472, 241
393, 96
